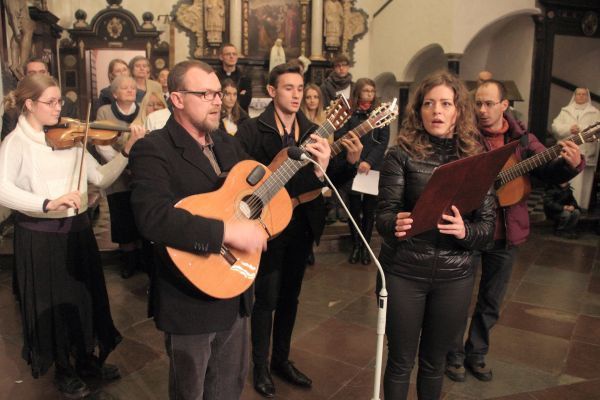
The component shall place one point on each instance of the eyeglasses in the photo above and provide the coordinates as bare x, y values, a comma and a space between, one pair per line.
53, 103
207, 95
487, 104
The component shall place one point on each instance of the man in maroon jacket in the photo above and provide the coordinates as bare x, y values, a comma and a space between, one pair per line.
512, 227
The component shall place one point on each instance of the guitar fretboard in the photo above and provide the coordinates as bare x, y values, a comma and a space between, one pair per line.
361, 130
288, 168
544, 157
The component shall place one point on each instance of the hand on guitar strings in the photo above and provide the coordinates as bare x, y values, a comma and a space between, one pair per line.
246, 236
403, 223
453, 225
570, 152
320, 151
353, 146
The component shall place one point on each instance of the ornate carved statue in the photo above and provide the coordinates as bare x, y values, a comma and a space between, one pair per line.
214, 21
334, 23
277, 54
22, 27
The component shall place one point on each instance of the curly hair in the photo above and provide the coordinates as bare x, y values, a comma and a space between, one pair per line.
413, 137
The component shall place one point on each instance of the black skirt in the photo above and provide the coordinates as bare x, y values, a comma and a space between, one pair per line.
64, 304
122, 222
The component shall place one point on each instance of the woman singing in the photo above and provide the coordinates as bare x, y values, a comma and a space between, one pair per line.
429, 276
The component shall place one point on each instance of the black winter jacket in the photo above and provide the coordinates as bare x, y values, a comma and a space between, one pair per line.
430, 256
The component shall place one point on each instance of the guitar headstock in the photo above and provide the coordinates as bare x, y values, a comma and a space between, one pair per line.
384, 114
338, 112
590, 133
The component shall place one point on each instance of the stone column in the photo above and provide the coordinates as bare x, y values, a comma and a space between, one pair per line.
235, 24
316, 35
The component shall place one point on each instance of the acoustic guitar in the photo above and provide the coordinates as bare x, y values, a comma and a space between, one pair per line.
380, 117
511, 184
253, 192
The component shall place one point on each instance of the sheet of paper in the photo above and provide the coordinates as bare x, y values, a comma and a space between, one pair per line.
367, 183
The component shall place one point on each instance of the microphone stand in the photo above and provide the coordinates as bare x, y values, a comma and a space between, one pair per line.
383, 294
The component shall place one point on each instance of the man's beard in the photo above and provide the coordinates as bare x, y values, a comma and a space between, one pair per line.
207, 127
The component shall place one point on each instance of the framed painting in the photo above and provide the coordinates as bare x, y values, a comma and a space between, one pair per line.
269, 20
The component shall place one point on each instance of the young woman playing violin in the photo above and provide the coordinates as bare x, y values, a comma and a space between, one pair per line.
62, 293
122, 224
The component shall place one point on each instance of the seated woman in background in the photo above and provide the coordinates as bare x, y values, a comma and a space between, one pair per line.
429, 276
152, 101
122, 224
116, 67
312, 104
65, 313
140, 71
232, 114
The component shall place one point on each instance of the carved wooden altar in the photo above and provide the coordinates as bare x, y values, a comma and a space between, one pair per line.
111, 28
261, 22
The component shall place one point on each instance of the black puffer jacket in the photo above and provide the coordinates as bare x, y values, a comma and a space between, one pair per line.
431, 256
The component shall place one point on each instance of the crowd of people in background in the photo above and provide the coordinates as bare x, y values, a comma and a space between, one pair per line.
198, 116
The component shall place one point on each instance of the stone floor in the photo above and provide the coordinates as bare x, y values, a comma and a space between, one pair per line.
546, 346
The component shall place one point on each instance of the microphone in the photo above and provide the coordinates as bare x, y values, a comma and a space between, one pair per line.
296, 153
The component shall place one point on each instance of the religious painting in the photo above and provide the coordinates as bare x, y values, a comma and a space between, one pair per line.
269, 20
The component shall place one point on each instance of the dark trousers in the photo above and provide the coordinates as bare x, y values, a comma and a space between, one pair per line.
209, 366
362, 207
277, 288
496, 268
433, 312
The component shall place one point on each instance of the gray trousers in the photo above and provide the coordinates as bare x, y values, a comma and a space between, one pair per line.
210, 366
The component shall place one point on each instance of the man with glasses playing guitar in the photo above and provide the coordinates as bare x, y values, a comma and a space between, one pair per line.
512, 222
206, 337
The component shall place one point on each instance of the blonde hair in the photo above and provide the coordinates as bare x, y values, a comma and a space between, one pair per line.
412, 136
320, 114
143, 114
30, 87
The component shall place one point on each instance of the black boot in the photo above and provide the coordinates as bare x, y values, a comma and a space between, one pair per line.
70, 384
355, 255
365, 256
129, 264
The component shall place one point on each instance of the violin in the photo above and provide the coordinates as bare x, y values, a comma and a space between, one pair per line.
68, 132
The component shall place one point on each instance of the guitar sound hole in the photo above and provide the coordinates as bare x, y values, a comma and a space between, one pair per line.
251, 207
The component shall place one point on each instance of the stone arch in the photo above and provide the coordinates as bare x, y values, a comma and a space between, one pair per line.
426, 60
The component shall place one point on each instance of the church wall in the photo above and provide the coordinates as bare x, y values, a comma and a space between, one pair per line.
506, 50
405, 27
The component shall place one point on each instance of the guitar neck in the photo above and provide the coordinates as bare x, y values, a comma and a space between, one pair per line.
537, 160
288, 168
360, 131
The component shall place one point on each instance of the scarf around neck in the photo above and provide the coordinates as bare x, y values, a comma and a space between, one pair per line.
122, 117
338, 82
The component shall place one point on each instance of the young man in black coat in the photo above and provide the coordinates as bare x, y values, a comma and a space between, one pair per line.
230, 70
282, 266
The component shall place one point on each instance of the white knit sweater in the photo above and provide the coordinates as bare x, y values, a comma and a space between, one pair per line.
31, 172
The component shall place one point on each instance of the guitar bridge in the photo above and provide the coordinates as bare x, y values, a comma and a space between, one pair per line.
228, 255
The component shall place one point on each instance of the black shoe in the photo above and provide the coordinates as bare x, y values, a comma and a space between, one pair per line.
311, 258
70, 385
288, 372
263, 383
355, 255
480, 371
365, 256
92, 368
456, 373
129, 265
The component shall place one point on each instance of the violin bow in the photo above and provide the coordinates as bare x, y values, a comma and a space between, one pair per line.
84, 146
